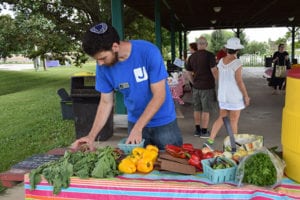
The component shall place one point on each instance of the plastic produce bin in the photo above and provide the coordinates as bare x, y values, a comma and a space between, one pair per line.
127, 148
85, 103
217, 176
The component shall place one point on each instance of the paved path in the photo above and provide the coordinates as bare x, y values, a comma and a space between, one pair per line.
16, 67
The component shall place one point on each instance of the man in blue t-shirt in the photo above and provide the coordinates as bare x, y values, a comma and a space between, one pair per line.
136, 69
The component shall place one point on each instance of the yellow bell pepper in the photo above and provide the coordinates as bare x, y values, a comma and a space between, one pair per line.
127, 166
150, 154
145, 165
138, 152
152, 148
133, 158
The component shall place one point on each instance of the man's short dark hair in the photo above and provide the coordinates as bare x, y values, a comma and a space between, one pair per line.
94, 42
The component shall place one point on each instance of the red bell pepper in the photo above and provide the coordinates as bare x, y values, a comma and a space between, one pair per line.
188, 147
208, 155
175, 151
198, 152
195, 161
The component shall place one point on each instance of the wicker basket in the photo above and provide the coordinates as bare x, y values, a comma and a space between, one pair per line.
127, 148
218, 175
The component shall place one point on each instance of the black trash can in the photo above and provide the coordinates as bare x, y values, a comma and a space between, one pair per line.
85, 103
294, 61
268, 61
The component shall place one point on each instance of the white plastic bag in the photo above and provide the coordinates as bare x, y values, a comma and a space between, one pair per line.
248, 142
245, 167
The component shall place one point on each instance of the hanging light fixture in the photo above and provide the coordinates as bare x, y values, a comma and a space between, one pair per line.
217, 9
291, 18
213, 21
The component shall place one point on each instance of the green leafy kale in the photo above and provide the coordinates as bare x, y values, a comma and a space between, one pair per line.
98, 164
259, 170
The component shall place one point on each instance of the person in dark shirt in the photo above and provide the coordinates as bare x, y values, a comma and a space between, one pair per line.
200, 68
280, 57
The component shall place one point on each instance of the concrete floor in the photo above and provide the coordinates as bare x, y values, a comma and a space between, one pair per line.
262, 117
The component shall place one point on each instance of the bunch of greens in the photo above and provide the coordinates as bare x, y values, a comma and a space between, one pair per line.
259, 170
98, 164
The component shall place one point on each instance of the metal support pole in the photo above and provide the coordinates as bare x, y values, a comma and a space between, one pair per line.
117, 22
157, 24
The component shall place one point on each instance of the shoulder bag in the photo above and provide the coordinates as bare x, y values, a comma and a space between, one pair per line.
280, 71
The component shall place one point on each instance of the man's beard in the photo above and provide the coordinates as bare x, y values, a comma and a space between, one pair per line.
114, 60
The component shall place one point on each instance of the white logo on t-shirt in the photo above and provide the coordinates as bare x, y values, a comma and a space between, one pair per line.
140, 74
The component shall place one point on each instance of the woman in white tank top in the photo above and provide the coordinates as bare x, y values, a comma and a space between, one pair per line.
232, 92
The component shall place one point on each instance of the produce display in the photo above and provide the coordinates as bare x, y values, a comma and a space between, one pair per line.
253, 167
98, 164
259, 167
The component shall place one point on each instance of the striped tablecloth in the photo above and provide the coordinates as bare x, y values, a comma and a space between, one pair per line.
160, 186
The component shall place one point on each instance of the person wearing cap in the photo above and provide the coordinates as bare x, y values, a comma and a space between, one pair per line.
199, 72
232, 92
136, 69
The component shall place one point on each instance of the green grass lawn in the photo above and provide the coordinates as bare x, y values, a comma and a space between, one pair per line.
30, 113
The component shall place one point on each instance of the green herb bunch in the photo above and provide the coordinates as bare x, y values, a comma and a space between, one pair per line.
259, 170
99, 164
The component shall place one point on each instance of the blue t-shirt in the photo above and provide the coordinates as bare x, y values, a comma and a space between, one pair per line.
133, 76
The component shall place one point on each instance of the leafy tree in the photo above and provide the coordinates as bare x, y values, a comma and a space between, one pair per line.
217, 40
72, 17
37, 31
288, 37
8, 33
254, 47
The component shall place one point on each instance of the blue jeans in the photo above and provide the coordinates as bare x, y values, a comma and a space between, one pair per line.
161, 135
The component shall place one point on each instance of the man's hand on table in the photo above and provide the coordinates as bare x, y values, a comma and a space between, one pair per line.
85, 143
135, 137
